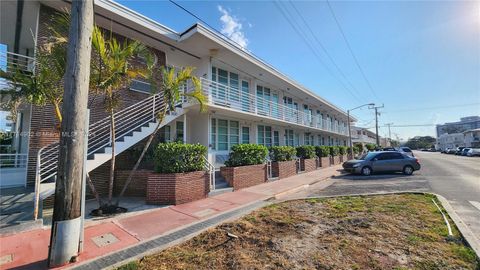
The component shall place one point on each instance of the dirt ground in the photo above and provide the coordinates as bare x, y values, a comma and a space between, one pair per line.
375, 232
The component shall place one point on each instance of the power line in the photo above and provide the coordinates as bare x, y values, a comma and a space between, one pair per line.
351, 50
306, 41
197, 17
322, 46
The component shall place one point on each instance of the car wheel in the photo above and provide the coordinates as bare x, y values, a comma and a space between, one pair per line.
366, 171
408, 170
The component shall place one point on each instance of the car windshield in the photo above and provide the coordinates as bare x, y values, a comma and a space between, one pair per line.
406, 150
367, 156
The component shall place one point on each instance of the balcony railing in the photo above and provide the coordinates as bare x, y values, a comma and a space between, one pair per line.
236, 99
13, 161
10, 62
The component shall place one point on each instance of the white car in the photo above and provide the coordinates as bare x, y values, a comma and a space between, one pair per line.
473, 152
406, 151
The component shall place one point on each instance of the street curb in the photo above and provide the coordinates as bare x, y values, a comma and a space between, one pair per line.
466, 233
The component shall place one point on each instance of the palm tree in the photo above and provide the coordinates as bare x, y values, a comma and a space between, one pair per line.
171, 86
112, 70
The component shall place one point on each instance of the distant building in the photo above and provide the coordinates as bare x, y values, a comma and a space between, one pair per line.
5, 123
365, 136
465, 123
450, 140
472, 138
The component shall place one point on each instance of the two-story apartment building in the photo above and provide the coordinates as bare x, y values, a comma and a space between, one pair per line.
249, 101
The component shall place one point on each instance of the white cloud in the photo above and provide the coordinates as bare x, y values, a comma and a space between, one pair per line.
232, 28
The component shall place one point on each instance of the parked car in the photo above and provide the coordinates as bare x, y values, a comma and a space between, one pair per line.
407, 151
383, 161
474, 152
465, 151
445, 151
389, 149
459, 150
452, 151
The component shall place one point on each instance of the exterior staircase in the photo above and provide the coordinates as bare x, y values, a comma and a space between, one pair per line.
133, 124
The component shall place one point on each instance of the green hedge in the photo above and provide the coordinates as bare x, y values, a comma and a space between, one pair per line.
358, 148
370, 146
282, 153
246, 154
179, 157
334, 151
322, 151
342, 150
306, 151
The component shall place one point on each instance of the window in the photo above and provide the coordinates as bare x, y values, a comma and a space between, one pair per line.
213, 134
264, 135
164, 134
289, 137
245, 96
263, 98
234, 133
228, 85
308, 139
296, 139
245, 135
179, 131
141, 86
224, 134
276, 138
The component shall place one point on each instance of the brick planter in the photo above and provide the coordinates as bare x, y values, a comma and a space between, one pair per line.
308, 165
136, 188
244, 176
336, 160
325, 162
343, 158
177, 188
284, 169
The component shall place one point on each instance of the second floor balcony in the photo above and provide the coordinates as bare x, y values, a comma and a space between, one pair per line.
243, 101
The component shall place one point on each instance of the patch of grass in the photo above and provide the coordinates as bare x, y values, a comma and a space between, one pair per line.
371, 232
464, 253
129, 266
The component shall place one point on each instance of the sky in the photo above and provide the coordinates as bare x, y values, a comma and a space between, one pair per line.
419, 59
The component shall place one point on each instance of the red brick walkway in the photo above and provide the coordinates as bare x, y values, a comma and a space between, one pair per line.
29, 250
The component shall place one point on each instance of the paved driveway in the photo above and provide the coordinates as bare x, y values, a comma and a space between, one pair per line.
454, 177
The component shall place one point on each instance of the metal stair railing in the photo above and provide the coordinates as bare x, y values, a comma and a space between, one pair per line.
210, 169
127, 121
268, 163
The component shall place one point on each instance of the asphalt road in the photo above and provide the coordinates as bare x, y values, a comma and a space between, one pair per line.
456, 178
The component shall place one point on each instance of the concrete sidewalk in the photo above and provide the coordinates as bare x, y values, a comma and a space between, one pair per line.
115, 240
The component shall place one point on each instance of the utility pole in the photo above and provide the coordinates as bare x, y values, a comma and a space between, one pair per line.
376, 123
389, 132
67, 219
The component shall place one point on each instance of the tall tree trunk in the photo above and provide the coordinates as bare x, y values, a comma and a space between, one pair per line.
112, 161
67, 220
160, 119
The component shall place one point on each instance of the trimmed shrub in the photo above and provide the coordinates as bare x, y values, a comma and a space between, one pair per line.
282, 153
322, 151
342, 150
370, 146
246, 154
306, 151
357, 148
179, 157
334, 151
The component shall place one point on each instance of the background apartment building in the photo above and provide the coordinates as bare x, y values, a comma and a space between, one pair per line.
456, 134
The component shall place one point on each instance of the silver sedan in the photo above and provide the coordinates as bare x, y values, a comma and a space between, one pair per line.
383, 161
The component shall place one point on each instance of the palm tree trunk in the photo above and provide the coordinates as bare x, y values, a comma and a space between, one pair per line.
58, 112
137, 164
94, 190
144, 151
112, 161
